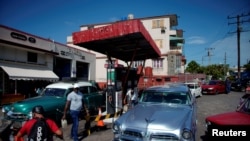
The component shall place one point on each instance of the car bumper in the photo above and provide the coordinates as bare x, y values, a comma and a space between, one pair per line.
209, 92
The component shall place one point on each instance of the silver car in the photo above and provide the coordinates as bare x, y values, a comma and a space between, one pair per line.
164, 113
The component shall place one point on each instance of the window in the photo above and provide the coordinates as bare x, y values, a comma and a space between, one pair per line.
32, 57
158, 63
158, 42
137, 63
157, 23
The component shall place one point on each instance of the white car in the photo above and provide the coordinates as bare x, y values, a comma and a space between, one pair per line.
195, 88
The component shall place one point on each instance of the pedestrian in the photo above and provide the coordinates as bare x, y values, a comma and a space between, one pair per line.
38, 114
227, 85
131, 98
75, 102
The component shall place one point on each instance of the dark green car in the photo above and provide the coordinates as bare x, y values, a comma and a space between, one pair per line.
53, 99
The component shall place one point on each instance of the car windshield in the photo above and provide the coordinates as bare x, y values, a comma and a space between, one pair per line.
245, 107
54, 92
212, 83
165, 97
191, 86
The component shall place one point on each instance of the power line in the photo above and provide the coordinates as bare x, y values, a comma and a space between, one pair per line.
239, 30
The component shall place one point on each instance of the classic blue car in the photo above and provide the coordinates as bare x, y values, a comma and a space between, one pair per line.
165, 112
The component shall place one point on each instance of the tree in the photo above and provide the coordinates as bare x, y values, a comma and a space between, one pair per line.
216, 71
193, 67
247, 66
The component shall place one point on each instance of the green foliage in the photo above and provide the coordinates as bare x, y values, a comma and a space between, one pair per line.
217, 71
247, 66
193, 67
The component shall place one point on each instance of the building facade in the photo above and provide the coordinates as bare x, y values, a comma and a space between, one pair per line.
168, 39
28, 62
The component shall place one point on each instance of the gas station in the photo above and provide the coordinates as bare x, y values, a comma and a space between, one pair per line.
128, 41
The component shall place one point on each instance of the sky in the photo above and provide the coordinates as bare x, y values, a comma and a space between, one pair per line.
208, 25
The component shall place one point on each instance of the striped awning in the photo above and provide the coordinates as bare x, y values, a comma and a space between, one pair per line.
27, 72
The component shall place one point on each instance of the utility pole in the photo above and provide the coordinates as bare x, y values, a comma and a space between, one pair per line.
225, 63
239, 30
209, 54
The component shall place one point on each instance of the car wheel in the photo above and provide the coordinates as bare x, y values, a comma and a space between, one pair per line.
216, 92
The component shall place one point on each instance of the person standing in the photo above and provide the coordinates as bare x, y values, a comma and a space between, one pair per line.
131, 98
74, 103
227, 85
38, 114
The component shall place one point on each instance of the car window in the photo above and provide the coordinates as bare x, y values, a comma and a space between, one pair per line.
165, 97
191, 86
93, 89
84, 90
54, 92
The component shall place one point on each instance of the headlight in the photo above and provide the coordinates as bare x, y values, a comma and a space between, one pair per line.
6, 109
186, 134
210, 88
208, 123
116, 130
30, 115
3, 110
116, 127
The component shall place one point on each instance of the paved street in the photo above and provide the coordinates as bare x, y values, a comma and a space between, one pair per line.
207, 105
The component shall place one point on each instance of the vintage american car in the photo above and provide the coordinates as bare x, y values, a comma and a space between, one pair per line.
213, 87
53, 99
236, 122
166, 112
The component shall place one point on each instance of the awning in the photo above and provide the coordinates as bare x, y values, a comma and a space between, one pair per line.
26, 72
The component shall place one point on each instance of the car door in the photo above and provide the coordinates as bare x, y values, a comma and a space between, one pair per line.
222, 86
92, 98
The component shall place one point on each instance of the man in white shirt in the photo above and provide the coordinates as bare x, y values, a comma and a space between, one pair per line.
74, 104
131, 98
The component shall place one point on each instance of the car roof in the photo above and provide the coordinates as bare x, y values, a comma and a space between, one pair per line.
169, 87
191, 83
67, 85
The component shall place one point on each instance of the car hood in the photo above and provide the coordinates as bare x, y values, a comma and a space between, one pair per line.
156, 116
48, 102
231, 118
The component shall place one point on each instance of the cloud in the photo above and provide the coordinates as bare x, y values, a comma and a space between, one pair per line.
195, 40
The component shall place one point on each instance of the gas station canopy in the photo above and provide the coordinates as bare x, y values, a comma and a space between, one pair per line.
124, 40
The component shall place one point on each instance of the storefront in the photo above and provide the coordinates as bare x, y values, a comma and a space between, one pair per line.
29, 62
